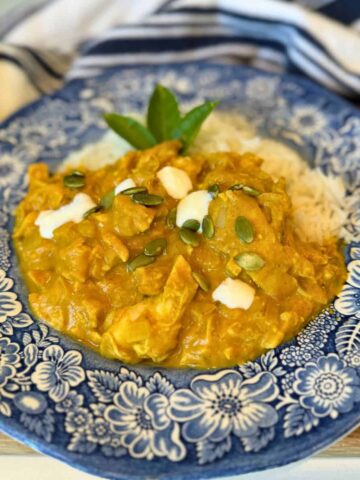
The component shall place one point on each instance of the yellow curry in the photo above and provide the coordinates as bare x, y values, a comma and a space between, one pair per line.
90, 280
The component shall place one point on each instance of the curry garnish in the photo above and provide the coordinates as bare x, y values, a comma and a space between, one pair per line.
208, 227
244, 230
155, 247
74, 180
107, 200
171, 218
141, 260
192, 224
133, 190
164, 122
214, 190
147, 199
201, 281
189, 237
249, 261
246, 189
91, 211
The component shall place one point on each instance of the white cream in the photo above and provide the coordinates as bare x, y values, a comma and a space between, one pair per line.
234, 294
50, 220
176, 182
194, 206
124, 185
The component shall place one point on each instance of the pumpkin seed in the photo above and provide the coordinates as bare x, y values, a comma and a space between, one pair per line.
91, 211
237, 186
244, 230
249, 261
189, 237
155, 247
139, 261
74, 180
251, 191
147, 199
246, 189
191, 224
107, 200
133, 190
214, 190
208, 227
171, 218
201, 281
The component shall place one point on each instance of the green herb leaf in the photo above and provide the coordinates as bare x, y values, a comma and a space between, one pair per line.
189, 126
163, 114
132, 131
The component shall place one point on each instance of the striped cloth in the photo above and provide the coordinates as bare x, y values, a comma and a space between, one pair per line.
45, 43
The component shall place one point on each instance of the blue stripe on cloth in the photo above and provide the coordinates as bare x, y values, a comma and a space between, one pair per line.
275, 24
237, 28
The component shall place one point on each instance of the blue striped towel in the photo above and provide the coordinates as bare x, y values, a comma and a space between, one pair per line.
316, 38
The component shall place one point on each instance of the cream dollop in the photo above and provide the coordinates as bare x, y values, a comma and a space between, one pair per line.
50, 220
124, 185
194, 206
234, 294
176, 182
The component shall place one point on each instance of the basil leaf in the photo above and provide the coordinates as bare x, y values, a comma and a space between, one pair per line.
190, 125
132, 131
163, 113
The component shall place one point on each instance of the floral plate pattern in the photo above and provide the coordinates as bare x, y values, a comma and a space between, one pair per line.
121, 422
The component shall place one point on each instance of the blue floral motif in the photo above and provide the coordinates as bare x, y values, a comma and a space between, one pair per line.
217, 405
78, 420
141, 421
99, 431
296, 356
9, 305
71, 402
288, 392
348, 302
327, 387
58, 372
9, 359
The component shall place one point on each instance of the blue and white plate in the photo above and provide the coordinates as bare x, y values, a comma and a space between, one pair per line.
122, 421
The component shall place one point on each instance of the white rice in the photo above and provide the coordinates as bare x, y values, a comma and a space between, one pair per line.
318, 200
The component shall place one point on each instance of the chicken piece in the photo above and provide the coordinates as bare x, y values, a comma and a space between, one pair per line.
150, 329
73, 261
114, 242
130, 218
151, 280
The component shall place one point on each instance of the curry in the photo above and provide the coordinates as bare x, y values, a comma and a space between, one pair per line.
131, 284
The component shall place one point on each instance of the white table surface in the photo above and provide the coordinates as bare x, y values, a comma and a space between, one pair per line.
28, 467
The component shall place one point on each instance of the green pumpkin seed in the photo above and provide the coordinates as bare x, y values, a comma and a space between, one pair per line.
249, 261
208, 227
139, 261
107, 200
189, 237
246, 189
147, 199
191, 224
74, 180
214, 190
133, 190
91, 211
201, 281
155, 247
251, 191
171, 218
244, 230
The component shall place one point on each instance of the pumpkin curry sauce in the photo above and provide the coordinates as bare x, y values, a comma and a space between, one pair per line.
173, 260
